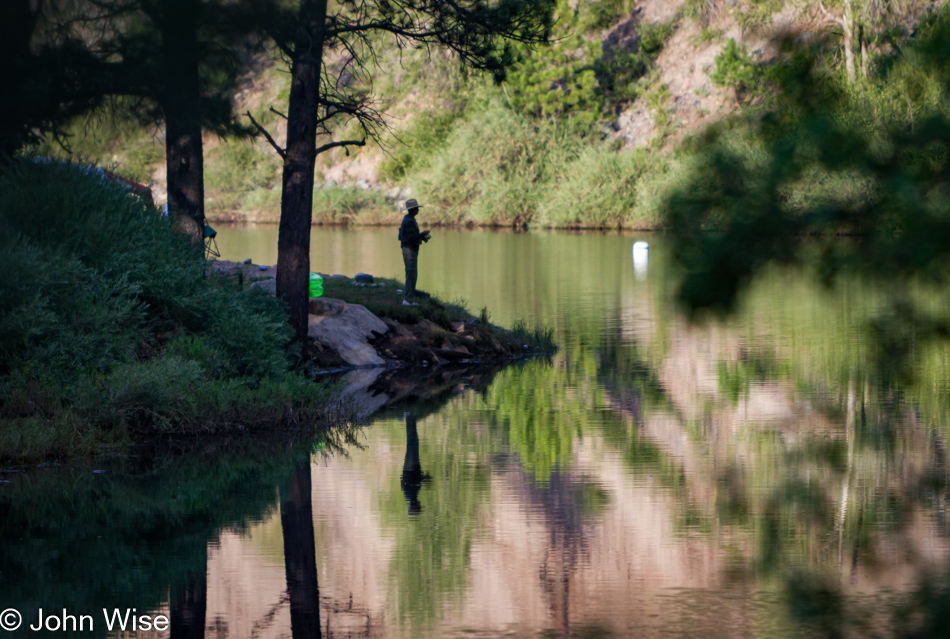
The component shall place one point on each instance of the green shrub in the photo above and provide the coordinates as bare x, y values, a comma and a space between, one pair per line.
337, 205
554, 81
735, 69
757, 14
598, 189
654, 36
413, 147
500, 164
111, 139
108, 319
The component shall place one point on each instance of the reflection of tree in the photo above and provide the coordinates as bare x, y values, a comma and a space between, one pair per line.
177, 501
188, 604
300, 558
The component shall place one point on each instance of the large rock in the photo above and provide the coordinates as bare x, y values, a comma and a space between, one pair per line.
347, 332
325, 306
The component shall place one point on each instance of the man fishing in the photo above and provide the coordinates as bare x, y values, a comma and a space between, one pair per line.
410, 237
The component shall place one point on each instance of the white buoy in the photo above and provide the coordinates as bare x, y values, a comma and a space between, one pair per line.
641, 255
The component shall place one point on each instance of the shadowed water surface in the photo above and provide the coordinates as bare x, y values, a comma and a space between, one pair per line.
766, 476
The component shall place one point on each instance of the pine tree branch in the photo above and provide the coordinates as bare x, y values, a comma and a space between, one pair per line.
267, 135
330, 145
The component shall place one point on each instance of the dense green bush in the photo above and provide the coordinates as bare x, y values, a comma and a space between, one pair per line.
499, 164
735, 69
109, 319
556, 81
506, 168
598, 189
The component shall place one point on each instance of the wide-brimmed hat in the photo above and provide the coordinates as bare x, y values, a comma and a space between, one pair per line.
411, 204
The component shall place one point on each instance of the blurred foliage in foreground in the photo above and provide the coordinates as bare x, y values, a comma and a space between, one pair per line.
822, 161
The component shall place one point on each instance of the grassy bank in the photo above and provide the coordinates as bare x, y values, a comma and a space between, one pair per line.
112, 328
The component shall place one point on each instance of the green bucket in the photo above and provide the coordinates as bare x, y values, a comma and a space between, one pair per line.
316, 285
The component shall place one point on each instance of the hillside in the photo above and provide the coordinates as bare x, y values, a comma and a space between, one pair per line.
589, 131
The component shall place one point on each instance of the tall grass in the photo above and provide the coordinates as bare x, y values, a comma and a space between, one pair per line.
109, 322
502, 168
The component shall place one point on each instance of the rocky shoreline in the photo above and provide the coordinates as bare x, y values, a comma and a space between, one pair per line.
345, 335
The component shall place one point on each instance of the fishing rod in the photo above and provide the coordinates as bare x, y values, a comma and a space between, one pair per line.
452, 210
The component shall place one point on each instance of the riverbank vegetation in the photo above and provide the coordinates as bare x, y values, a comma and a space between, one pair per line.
111, 327
593, 130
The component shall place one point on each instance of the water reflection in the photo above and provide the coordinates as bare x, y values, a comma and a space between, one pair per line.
300, 562
641, 257
189, 603
137, 536
412, 475
655, 478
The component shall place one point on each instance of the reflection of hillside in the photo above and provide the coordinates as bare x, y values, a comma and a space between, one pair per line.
247, 594
586, 549
786, 471
653, 515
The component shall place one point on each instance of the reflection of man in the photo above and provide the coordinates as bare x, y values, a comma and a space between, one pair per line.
410, 238
412, 475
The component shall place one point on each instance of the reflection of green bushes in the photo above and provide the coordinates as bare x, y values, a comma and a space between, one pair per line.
83, 541
735, 378
540, 415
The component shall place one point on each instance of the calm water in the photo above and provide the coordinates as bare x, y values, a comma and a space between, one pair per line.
772, 475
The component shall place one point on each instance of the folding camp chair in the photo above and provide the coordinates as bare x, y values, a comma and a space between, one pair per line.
211, 244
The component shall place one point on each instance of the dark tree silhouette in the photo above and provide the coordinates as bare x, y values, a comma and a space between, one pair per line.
478, 32
43, 76
898, 207
167, 61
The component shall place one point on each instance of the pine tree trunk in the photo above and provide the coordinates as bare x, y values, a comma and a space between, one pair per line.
182, 109
300, 556
296, 204
847, 25
17, 22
